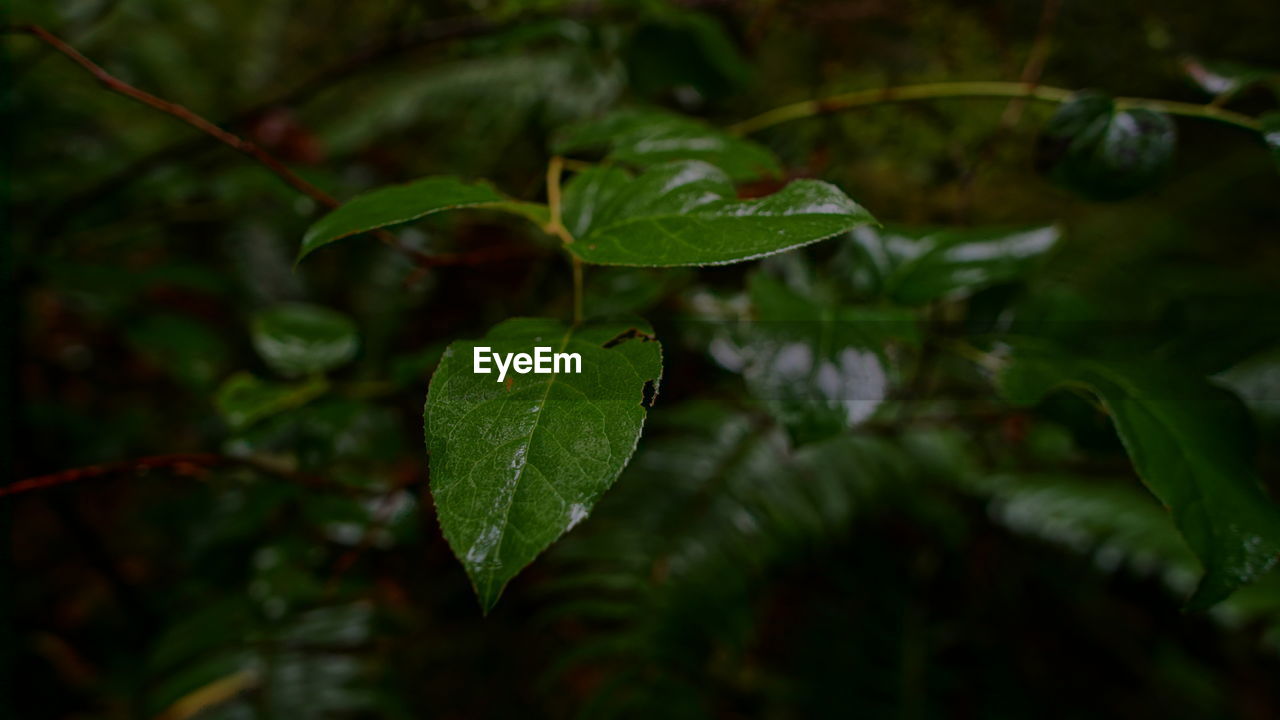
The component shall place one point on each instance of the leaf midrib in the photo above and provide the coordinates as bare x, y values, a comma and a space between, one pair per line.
506, 511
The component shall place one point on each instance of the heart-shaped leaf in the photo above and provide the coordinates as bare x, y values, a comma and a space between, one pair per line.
1189, 442
515, 464
645, 138
404, 203
1105, 153
297, 338
916, 266
684, 214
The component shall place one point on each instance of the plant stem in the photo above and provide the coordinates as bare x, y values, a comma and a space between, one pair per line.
577, 290
1036, 58
555, 168
227, 138
933, 91
187, 464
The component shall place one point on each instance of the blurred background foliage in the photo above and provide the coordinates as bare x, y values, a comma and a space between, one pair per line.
946, 556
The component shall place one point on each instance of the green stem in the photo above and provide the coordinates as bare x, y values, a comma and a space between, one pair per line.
932, 91
577, 290
555, 168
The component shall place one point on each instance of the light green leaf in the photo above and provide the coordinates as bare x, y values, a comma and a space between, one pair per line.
646, 137
404, 203
684, 214
916, 266
245, 399
1189, 442
515, 464
296, 338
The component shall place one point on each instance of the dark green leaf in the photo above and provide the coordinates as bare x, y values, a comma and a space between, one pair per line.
1225, 79
1190, 443
587, 194
1114, 521
403, 203
684, 214
297, 338
818, 368
244, 399
685, 50
1105, 153
620, 291
651, 137
916, 266
515, 464
188, 349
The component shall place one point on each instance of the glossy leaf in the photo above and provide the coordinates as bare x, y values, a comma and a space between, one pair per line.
297, 338
245, 399
818, 368
1115, 522
587, 194
916, 266
399, 204
1225, 79
645, 138
684, 214
1104, 153
1189, 442
1270, 123
515, 464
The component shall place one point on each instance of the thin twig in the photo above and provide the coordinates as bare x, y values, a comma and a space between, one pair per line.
235, 142
1036, 58
981, 89
182, 113
433, 32
577, 290
192, 464
555, 226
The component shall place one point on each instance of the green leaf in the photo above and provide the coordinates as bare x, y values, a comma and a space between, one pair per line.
587, 194
1225, 79
645, 138
818, 368
245, 399
1104, 153
296, 338
682, 50
1189, 442
515, 464
916, 266
1117, 523
404, 203
684, 214
1270, 127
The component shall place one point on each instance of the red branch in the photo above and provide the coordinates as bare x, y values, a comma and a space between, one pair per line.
189, 464
237, 143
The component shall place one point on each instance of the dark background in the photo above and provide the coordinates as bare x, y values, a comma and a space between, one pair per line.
1013, 568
